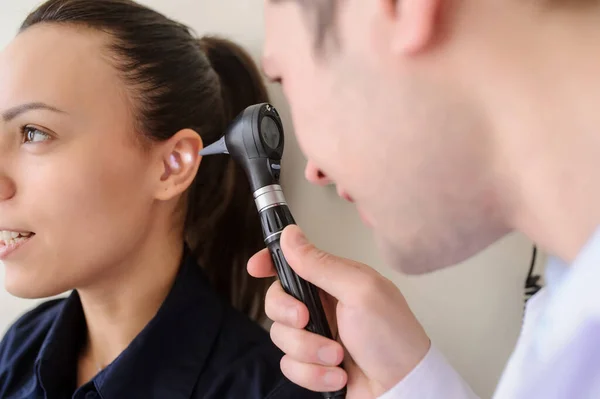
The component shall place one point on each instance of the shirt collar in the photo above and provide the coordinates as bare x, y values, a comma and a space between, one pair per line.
572, 298
558, 272
164, 360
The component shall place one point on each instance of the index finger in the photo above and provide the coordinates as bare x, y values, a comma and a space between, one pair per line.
261, 265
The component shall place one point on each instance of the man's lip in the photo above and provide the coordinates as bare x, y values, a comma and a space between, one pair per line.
344, 195
365, 218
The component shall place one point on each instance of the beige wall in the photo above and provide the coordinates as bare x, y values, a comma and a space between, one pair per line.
472, 312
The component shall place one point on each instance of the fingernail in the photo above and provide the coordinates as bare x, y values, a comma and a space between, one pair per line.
328, 355
333, 379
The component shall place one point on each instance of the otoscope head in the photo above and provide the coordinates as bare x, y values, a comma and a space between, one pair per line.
255, 140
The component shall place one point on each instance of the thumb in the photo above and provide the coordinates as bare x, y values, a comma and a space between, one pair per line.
337, 276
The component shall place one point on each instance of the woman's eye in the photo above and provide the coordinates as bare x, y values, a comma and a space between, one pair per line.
33, 135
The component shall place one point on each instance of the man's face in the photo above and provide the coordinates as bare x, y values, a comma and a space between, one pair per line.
394, 131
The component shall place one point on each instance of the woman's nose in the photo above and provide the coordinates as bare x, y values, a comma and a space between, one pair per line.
7, 188
315, 175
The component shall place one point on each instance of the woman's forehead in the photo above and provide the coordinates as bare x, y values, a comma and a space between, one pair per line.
61, 65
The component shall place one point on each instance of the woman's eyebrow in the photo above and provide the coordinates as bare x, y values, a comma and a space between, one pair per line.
12, 113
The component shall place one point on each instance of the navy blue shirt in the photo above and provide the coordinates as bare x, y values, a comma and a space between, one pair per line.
195, 347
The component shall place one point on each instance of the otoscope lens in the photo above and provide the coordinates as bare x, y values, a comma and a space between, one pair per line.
270, 132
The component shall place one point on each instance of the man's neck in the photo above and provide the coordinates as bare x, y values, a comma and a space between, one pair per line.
541, 90
553, 161
560, 196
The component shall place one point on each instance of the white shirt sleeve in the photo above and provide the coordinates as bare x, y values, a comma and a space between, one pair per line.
433, 378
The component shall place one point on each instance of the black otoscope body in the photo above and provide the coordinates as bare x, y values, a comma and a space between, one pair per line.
255, 140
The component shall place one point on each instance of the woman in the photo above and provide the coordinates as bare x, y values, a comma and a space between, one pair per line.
103, 109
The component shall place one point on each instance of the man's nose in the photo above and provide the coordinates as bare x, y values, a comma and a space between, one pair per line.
315, 175
7, 188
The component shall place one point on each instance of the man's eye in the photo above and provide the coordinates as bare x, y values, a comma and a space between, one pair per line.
33, 135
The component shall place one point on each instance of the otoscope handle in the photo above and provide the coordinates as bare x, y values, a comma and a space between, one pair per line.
273, 220
277, 218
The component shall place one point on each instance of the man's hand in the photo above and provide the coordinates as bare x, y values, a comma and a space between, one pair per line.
382, 338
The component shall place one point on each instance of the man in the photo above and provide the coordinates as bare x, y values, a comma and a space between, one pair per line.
449, 124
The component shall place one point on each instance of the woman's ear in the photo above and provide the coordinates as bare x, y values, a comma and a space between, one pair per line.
180, 162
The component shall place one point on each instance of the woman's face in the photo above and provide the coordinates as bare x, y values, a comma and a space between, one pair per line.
71, 171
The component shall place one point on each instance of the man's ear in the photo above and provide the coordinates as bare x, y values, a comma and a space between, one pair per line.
180, 162
414, 23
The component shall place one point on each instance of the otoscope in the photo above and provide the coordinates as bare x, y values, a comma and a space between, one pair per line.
255, 140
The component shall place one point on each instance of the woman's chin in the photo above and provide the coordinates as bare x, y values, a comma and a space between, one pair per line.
29, 288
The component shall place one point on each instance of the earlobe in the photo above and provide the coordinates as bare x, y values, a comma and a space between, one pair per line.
416, 23
180, 160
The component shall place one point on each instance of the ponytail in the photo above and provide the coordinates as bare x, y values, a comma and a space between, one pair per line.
224, 231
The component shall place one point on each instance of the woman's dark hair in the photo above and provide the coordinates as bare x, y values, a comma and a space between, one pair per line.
177, 81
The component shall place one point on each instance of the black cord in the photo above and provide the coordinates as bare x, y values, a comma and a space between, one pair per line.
532, 283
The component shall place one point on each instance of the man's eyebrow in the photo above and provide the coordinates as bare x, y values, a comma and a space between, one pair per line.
12, 113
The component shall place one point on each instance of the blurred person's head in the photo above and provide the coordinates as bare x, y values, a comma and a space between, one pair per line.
428, 114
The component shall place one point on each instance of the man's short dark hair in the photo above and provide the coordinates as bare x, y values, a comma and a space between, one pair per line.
321, 17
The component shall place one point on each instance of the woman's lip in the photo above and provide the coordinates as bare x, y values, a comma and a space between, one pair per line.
15, 230
9, 249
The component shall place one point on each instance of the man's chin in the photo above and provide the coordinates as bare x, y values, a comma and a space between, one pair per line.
410, 261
